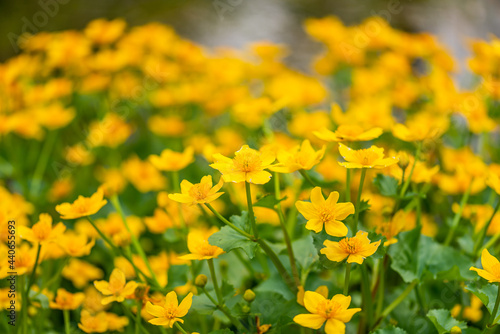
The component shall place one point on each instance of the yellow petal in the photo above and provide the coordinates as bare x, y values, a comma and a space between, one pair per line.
155, 310
171, 300
334, 326
317, 198
336, 228
185, 305
488, 261
311, 300
313, 321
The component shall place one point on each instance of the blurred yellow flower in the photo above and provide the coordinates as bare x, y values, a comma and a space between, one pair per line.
347, 132
117, 289
143, 175
335, 312
42, 232
493, 181
197, 242
372, 157
82, 206
328, 213
80, 273
67, 301
300, 157
101, 31
170, 160
76, 245
247, 166
355, 249
491, 267
171, 312
198, 193
421, 127
97, 323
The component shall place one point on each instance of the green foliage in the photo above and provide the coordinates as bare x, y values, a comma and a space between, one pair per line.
443, 320
229, 239
387, 185
268, 201
487, 292
390, 330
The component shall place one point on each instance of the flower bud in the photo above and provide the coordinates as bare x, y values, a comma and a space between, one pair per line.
141, 291
200, 281
245, 309
249, 295
404, 160
455, 330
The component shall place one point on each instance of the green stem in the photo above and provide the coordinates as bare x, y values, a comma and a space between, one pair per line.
180, 328
348, 185
218, 293
251, 215
279, 266
307, 177
367, 297
408, 179
483, 231
288, 242
137, 246
138, 316
228, 223
458, 215
381, 287
358, 202
33, 272
395, 303
224, 310
24, 306
66, 321
41, 166
492, 322
347, 278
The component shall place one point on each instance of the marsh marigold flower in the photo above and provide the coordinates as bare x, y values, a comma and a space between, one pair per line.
170, 160
300, 157
42, 232
491, 267
97, 323
198, 193
171, 312
493, 181
116, 289
67, 301
80, 273
322, 290
197, 242
348, 132
372, 157
421, 127
325, 212
355, 249
335, 312
82, 206
248, 165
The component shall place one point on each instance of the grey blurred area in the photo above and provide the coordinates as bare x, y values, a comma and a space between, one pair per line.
236, 23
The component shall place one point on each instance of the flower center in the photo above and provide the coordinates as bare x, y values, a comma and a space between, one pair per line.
328, 308
247, 162
199, 191
350, 245
326, 215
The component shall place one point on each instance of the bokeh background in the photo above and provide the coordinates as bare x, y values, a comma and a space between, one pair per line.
235, 23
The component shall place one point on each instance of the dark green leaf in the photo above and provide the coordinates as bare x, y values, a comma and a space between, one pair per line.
487, 292
268, 201
229, 239
443, 321
390, 330
387, 185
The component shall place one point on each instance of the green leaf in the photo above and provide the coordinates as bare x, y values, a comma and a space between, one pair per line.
40, 297
387, 185
268, 201
304, 251
203, 305
416, 256
485, 291
222, 331
443, 321
229, 239
177, 275
390, 330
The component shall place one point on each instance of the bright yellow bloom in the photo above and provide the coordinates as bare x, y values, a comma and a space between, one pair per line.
491, 271
115, 322
80, 273
93, 323
325, 212
199, 247
101, 31
42, 232
493, 181
355, 249
348, 132
423, 126
248, 165
322, 290
372, 157
66, 300
198, 193
143, 175
111, 131
300, 157
82, 206
335, 312
171, 312
170, 160
76, 245
117, 289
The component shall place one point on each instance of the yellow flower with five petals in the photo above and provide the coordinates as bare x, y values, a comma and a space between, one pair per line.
372, 157
171, 312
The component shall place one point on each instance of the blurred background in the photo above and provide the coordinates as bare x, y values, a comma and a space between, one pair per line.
235, 23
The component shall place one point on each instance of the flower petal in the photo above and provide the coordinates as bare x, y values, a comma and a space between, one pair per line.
313, 321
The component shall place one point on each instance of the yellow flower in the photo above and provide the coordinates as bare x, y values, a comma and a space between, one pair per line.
347, 132
66, 300
115, 322
116, 288
423, 126
372, 157
355, 249
170, 160
101, 31
493, 181
93, 323
325, 212
42, 232
472, 312
491, 271
111, 131
248, 165
322, 290
199, 247
300, 157
143, 175
80, 273
82, 206
171, 312
76, 245
198, 193
335, 312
